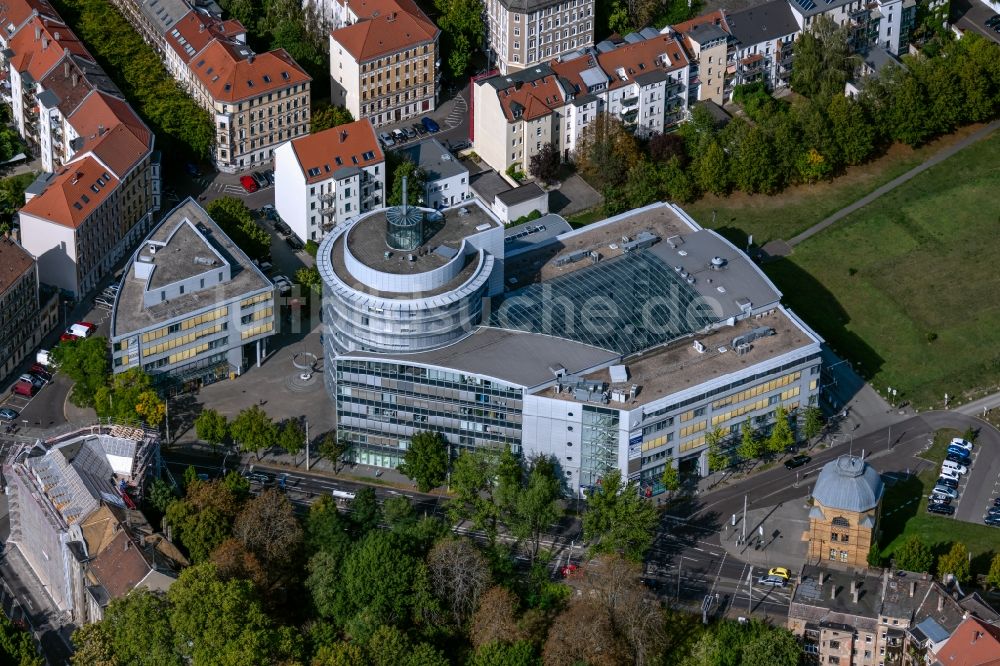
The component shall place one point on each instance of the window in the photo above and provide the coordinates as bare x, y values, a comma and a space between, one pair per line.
840, 521
833, 554
833, 536
843, 556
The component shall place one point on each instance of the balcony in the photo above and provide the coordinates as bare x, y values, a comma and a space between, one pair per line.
328, 197
630, 101
329, 210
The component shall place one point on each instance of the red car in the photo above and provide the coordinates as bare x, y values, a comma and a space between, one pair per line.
25, 388
249, 184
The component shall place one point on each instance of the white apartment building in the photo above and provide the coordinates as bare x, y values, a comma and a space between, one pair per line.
763, 38
447, 180
324, 179
521, 34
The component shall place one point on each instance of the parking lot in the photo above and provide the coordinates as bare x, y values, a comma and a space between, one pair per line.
981, 484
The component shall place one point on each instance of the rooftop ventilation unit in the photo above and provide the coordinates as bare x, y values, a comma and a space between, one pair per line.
700, 348
718, 263
747, 338
204, 261
642, 241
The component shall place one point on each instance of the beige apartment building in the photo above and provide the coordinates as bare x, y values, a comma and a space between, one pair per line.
384, 61
522, 34
707, 40
258, 101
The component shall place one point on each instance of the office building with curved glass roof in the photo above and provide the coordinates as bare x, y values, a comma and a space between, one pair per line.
618, 345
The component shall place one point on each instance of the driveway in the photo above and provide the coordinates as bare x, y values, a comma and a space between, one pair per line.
982, 483
572, 196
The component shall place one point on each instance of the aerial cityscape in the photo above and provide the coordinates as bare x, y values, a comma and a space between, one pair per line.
499, 333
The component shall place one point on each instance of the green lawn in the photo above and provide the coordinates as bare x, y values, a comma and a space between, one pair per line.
904, 513
796, 209
908, 287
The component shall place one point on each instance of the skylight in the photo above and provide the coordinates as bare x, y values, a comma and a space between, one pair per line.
369, 155
267, 79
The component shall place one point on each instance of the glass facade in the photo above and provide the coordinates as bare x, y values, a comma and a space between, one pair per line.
626, 304
599, 446
381, 405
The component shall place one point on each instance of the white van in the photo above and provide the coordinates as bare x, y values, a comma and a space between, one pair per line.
955, 467
44, 357
965, 444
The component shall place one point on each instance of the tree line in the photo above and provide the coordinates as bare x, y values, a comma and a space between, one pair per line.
780, 144
376, 582
175, 118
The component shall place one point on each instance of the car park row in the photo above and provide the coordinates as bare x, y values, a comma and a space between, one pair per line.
958, 460
404, 134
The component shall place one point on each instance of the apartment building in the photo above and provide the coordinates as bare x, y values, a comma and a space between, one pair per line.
257, 101
192, 309
643, 82
154, 18
19, 299
324, 179
763, 38
101, 184
706, 39
522, 34
869, 618
884, 23
384, 61
447, 179
189, 36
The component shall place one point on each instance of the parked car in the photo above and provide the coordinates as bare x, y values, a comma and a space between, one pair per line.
429, 123
959, 458
8, 414
941, 509
24, 388
950, 474
945, 491
419, 129
797, 461
959, 451
81, 329
955, 467
265, 266
945, 481
996, 501
456, 146
44, 356
399, 135
259, 178
192, 169
410, 132
993, 511
963, 443
249, 184
386, 139
993, 521
993, 21
39, 370
779, 572
294, 242
269, 175
282, 227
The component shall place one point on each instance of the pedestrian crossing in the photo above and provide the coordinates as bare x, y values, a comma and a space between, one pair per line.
458, 113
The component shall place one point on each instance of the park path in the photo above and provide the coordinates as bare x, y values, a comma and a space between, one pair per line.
937, 158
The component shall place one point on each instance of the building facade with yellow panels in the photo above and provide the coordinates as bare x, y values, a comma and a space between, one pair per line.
193, 308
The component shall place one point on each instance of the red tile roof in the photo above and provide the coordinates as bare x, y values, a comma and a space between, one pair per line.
38, 56
641, 58
384, 27
194, 31
973, 643
16, 12
570, 70
534, 99
70, 197
232, 73
120, 567
101, 110
318, 153
14, 262
718, 17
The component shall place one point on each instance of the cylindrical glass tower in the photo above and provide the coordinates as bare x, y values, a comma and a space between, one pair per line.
404, 227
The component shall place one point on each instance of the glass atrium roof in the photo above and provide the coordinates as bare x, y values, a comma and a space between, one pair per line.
626, 304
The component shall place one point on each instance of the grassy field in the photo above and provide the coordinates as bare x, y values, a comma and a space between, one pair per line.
798, 208
907, 287
904, 513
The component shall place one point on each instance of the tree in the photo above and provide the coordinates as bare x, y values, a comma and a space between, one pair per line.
398, 514
664, 148
416, 182
426, 460
222, 622
365, 511
211, 427
130, 398
309, 278
617, 520
993, 577
711, 172
823, 60
151, 408
267, 526
459, 575
781, 434
544, 164
603, 147
160, 494
505, 653
750, 446
462, 28
496, 618
378, 577
85, 361
914, 555
778, 646
751, 160
717, 458
334, 449
853, 130
675, 181
16, 645
233, 216
135, 630
906, 119
956, 562
292, 437
536, 505
325, 116
671, 478
204, 518
253, 430
814, 422
474, 479
598, 645
12, 197
389, 646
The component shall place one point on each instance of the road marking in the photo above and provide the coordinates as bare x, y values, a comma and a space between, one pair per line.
700, 550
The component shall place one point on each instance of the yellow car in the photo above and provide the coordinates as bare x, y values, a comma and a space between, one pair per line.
780, 572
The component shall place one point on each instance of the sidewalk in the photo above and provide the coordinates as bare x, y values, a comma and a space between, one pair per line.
783, 529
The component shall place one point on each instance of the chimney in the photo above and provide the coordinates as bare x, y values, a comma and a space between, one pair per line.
940, 602
913, 587
201, 27
76, 79
45, 42
343, 136
833, 592
38, 33
100, 130
55, 35
65, 69
250, 58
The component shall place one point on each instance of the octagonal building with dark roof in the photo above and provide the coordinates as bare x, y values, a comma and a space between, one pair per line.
844, 519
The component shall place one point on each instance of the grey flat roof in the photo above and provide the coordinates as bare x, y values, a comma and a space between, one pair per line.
366, 239
164, 13
511, 356
878, 59
501, 81
185, 255
129, 313
768, 21
704, 33
521, 194
487, 185
534, 234
435, 159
